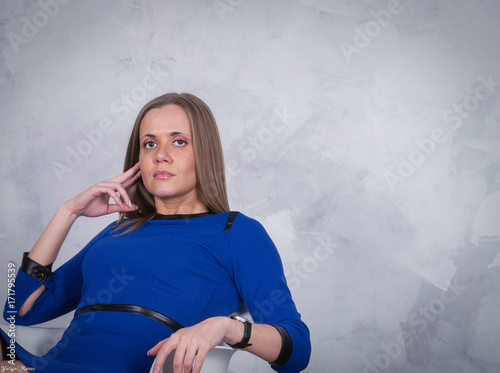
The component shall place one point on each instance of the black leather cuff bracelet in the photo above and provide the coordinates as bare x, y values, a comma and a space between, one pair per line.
246, 334
286, 347
34, 269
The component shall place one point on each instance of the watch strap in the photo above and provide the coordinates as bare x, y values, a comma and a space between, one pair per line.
246, 333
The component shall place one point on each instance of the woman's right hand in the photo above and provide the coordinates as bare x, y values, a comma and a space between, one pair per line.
92, 202
95, 201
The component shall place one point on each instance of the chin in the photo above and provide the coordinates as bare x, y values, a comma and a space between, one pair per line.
169, 194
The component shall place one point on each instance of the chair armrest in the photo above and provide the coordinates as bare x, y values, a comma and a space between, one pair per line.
216, 361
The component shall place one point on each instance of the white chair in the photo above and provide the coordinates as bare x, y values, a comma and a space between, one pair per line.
39, 340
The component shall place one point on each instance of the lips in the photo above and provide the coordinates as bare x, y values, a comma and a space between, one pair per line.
162, 174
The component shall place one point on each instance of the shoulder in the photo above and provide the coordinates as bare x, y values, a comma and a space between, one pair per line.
243, 223
251, 250
250, 233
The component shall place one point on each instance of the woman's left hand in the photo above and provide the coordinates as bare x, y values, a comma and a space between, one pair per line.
188, 343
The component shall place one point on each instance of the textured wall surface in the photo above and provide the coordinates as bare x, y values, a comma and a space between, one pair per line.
364, 135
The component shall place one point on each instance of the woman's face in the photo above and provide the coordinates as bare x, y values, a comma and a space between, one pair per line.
166, 157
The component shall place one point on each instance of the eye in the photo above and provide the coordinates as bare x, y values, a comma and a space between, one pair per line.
180, 142
149, 145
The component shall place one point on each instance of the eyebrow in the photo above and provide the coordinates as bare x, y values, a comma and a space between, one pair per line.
174, 133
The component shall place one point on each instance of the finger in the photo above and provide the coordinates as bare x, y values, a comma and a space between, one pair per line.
100, 190
154, 350
179, 357
125, 184
201, 354
189, 357
131, 172
117, 208
123, 195
200, 359
132, 169
120, 192
127, 174
112, 193
161, 356
132, 179
123, 181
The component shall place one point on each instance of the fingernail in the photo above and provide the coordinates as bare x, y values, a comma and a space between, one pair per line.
147, 353
130, 204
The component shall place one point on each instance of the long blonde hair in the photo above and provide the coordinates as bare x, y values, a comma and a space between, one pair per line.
209, 159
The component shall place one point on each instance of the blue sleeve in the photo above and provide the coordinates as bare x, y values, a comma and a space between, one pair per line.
256, 268
62, 293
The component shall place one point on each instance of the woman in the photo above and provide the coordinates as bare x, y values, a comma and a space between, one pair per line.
176, 257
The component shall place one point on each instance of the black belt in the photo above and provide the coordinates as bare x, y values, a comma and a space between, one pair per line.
165, 320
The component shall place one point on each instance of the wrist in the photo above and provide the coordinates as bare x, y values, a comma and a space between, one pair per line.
234, 331
241, 332
66, 212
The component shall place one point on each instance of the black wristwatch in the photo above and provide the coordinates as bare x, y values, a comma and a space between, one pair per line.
246, 334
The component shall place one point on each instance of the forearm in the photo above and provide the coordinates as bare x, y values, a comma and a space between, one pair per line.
92, 202
265, 340
47, 247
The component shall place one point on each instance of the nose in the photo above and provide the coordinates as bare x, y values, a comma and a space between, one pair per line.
163, 155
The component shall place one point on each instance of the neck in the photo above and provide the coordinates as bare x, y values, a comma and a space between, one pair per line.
179, 208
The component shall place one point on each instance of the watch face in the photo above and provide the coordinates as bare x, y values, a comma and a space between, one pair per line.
239, 318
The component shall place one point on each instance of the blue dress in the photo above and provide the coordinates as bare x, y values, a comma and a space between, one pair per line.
188, 269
